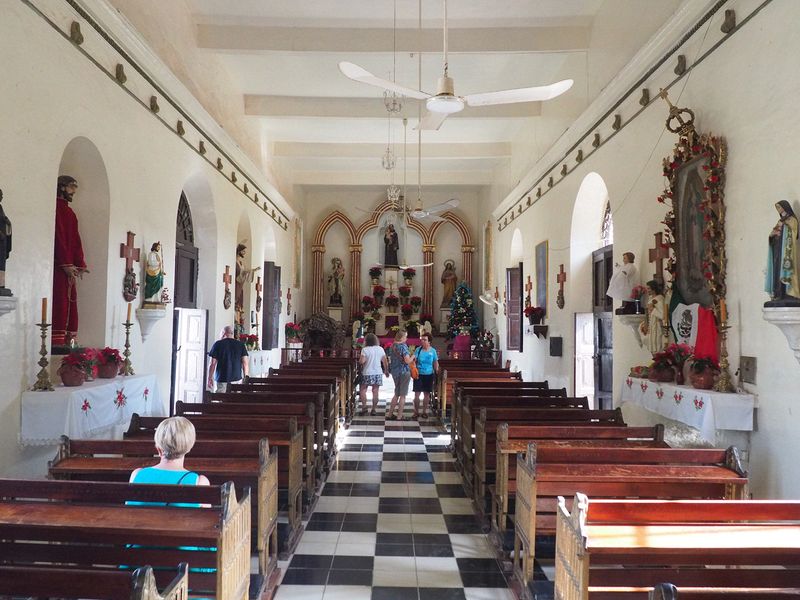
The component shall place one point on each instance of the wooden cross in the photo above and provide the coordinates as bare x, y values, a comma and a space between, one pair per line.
529, 285
128, 252
226, 277
259, 287
658, 254
561, 278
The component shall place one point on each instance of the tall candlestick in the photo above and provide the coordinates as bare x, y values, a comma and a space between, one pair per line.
44, 310
128, 319
723, 311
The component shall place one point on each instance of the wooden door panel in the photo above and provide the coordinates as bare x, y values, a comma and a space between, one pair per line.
602, 265
514, 308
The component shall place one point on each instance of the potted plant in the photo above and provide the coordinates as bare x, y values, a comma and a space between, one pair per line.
292, 331
392, 302
704, 372
109, 361
416, 303
412, 328
637, 293
641, 371
405, 291
408, 275
662, 368
535, 314
73, 369
406, 310
378, 292
369, 324
367, 303
250, 341
680, 354
426, 317
359, 316
375, 272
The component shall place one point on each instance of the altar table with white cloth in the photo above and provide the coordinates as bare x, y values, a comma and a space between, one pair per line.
705, 410
96, 409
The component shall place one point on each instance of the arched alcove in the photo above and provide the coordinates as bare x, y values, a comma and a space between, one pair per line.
517, 251
201, 203
337, 245
99, 289
585, 238
448, 247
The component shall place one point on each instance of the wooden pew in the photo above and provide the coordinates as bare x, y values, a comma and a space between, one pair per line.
78, 524
345, 367
246, 463
283, 434
95, 582
317, 374
512, 439
708, 549
303, 413
546, 472
448, 378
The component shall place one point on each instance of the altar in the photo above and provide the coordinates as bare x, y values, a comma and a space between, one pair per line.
97, 409
705, 410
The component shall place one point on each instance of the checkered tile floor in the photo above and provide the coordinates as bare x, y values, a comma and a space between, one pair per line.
393, 523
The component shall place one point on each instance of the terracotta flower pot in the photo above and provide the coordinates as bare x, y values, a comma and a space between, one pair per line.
662, 374
704, 380
71, 376
107, 371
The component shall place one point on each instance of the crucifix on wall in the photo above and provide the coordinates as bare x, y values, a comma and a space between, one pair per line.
259, 287
131, 254
561, 279
226, 279
528, 290
657, 256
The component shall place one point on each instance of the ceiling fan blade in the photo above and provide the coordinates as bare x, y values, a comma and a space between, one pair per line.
452, 203
415, 266
531, 94
428, 218
361, 75
431, 121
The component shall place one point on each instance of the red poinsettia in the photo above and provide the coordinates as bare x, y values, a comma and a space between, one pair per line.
109, 356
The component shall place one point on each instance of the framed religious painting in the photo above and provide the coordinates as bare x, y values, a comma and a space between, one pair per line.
541, 258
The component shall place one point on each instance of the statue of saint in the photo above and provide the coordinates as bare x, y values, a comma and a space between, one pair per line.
154, 275
5, 247
783, 281
69, 264
243, 277
390, 241
652, 327
449, 281
622, 282
335, 280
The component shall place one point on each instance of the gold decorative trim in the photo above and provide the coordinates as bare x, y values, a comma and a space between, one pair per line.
119, 73
154, 104
75, 33
180, 129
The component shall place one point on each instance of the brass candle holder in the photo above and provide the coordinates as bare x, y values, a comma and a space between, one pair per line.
43, 383
724, 383
127, 367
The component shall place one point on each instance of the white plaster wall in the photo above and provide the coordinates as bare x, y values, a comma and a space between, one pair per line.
744, 92
53, 95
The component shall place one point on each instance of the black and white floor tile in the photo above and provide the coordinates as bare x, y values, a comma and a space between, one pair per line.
393, 523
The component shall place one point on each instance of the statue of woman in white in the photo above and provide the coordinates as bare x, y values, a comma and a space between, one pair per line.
652, 328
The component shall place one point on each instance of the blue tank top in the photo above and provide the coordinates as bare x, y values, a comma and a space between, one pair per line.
154, 475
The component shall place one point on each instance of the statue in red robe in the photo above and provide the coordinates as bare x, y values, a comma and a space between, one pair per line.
69, 264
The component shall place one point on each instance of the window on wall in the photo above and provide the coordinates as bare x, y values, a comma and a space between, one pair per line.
607, 227
514, 308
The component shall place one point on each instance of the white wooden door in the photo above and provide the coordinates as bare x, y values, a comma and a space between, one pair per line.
190, 356
584, 356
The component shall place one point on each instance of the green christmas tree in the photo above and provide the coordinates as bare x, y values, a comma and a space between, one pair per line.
462, 313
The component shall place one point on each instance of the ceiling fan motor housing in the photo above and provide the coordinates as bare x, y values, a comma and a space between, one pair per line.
445, 100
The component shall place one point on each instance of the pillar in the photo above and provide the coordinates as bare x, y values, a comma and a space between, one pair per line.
427, 278
318, 279
466, 259
355, 279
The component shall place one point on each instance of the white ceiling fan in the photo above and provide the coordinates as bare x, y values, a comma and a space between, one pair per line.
444, 102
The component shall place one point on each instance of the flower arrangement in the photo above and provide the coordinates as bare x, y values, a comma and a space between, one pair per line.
109, 356
416, 302
638, 292
411, 324
359, 343
662, 360
367, 303
484, 341
392, 300
641, 371
375, 271
406, 310
405, 291
680, 353
394, 328
409, 272
701, 365
378, 290
426, 317
359, 316
79, 361
292, 331
535, 314
250, 341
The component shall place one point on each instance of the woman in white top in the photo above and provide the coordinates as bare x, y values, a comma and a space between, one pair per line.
373, 366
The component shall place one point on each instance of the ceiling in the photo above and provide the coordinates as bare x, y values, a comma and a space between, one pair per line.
322, 127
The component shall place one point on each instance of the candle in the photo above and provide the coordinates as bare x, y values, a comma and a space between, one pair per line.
128, 320
44, 310
666, 311
252, 316
723, 311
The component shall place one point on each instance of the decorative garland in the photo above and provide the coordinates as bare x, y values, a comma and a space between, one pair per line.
713, 150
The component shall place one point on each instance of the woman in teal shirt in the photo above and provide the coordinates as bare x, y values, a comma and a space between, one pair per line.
428, 366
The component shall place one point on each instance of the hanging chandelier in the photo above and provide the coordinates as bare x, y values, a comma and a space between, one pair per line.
392, 101
393, 194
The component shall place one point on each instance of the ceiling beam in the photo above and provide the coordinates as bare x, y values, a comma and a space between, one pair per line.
249, 38
378, 178
367, 108
350, 151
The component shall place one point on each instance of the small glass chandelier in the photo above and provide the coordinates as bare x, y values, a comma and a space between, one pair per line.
393, 102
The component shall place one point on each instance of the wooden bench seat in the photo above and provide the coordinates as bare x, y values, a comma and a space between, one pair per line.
282, 434
79, 524
246, 463
546, 472
625, 548
343, 371
449, 377
512, 439
311, 374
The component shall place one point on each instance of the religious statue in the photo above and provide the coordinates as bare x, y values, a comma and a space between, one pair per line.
783, 280
154, 275
622, 282
5, 247
652, 328
449, 281
243, 277
69, 264
335, 280
392, 245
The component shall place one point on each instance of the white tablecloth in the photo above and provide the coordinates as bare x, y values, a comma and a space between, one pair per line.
704, 410
259, 362
93, 410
